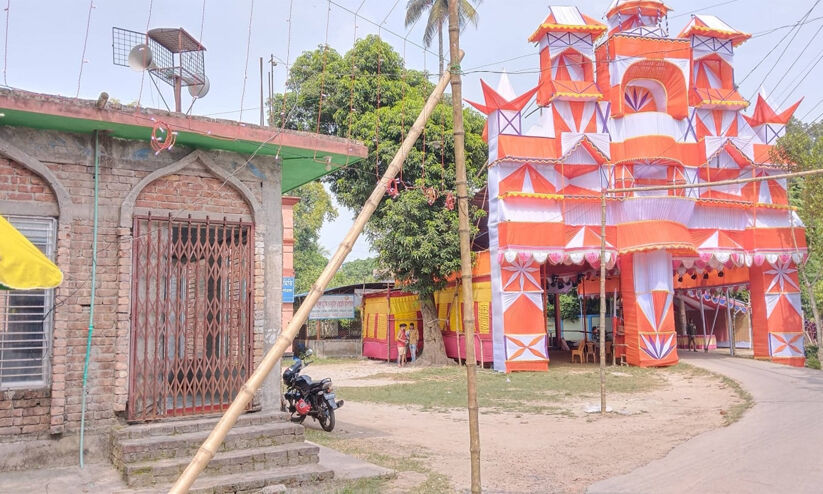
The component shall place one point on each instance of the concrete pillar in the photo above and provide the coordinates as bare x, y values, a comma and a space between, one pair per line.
273, 278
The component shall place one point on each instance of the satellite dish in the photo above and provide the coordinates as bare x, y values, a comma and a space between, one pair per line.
200, 90
140, 57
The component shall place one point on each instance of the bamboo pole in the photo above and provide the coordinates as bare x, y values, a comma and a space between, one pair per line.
730, 322
603, 302
465, 242
703, 319
210, 445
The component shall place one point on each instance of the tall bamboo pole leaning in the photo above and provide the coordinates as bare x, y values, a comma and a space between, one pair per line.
210, 445
603, 302
465, 247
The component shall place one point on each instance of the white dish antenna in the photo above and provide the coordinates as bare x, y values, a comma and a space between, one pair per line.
140, 58
200, 90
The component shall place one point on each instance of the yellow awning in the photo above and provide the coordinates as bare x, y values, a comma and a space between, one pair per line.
22, 265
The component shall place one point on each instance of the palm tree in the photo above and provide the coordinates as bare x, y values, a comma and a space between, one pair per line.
438, 16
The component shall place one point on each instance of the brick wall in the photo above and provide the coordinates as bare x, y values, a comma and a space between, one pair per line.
24, 411
19, 184
193, 189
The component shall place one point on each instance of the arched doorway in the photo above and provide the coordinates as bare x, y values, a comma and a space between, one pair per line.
192, 299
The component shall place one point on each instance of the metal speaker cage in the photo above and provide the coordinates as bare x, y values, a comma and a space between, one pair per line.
176, 55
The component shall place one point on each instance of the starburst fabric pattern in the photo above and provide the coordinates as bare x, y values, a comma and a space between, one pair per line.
782, 273
521, 276
526, 347
657, 346
786, 345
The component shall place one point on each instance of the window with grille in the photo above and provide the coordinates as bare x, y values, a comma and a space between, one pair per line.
26, 317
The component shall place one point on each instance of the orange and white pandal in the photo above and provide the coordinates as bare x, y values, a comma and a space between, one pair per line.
624, 105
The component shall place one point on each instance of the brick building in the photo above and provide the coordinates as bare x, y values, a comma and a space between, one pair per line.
192, 246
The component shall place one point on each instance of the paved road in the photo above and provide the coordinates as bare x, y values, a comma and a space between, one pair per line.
776, 447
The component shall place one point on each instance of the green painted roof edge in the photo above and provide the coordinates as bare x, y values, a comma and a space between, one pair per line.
300, 166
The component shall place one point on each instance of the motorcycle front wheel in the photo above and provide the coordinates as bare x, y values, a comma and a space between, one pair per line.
326, 416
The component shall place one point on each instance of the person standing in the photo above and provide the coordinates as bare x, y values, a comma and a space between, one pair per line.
692, 346
414, 336
402, 339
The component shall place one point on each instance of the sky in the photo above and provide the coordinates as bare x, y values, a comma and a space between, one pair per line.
45, 47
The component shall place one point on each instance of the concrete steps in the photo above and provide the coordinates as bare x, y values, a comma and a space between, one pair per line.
261, 450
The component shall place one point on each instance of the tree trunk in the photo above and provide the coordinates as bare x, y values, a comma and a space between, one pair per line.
440, 47
434, 350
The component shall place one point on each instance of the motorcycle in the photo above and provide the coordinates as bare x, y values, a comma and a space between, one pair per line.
307, 398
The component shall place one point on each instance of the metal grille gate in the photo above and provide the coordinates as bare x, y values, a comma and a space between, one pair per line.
191, 317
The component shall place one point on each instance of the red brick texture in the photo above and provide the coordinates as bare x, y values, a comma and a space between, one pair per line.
19, 184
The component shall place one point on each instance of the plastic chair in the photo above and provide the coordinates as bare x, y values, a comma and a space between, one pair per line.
579, 352
590, 351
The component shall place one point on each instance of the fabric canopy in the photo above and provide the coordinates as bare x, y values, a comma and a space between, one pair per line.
22, 265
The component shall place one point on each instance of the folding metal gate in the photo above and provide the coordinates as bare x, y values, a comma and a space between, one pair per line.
191, 317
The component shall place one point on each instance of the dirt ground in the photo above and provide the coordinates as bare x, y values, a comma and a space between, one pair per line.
522, 452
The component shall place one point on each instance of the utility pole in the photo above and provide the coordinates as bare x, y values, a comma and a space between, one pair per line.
602, 341
262, 107
272, 64
465, 244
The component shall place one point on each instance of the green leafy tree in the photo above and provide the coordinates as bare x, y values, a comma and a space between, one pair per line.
438, 18
803, 147
356, 272
368, 95
314, 209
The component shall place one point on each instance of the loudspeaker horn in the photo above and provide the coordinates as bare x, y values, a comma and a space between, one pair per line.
140, 57
200, 90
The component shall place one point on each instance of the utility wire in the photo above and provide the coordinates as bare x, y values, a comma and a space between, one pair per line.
811, 110
246, 71
6, 44
377, 25
702, 8
793, 87
143, 74
202, 22
797, 58
85, 44
796, 32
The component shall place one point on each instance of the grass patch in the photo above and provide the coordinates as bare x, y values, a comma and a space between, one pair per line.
435, 483
317, 362
440, 388
811, 357
737, 410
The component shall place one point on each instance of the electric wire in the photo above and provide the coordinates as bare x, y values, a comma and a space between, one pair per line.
288, 66
143, 74
6, 43
377, 25
812, 109
779, 58
805, 76
202, 21
682, 14
797, 59
85, 44
246, 70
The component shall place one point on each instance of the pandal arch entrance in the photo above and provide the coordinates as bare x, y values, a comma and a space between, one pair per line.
606, 126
